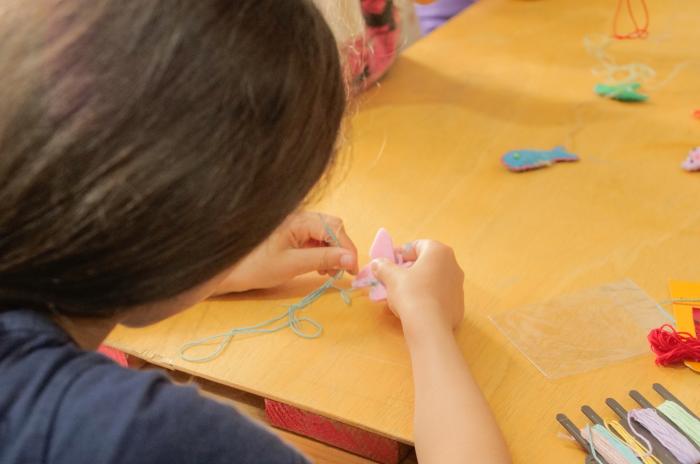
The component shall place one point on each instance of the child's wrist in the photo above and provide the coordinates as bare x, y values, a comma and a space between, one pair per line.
426, 327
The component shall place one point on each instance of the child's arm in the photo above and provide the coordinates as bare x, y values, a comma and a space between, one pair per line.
453, 423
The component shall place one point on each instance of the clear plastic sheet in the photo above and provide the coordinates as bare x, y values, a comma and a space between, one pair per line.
583, 331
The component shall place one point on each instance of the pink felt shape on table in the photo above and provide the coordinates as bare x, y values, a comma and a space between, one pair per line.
382, 247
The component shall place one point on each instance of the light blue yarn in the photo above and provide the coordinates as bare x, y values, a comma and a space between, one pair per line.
594, 455
618, 444
293, 321
669, 316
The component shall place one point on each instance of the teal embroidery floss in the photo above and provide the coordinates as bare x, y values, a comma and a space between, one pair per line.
608, 446
667, 435
293, 321
679, 416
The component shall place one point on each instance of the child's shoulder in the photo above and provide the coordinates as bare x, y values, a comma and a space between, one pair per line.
60, 404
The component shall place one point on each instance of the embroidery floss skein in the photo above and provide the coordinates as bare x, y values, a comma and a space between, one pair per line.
644, 453
293, 321
670, 438
679, 416
673, 347
608, 446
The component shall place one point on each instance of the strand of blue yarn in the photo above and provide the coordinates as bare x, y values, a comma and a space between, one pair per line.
293, 320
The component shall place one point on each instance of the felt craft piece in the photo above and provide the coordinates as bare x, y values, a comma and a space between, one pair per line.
526, 160
626, 92
696, 114
382, 247
692, 162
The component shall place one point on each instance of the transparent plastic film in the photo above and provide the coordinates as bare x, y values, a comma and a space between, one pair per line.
583, 331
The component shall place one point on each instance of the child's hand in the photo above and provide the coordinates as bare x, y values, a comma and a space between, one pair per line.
300, 245
428, 296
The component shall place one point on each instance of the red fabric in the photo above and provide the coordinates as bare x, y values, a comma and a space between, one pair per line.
115, 355
367, 444
373, 6
370, 56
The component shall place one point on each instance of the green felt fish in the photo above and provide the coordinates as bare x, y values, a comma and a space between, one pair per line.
624, 92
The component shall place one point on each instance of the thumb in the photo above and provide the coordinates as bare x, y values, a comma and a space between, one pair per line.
385, 271
301, 260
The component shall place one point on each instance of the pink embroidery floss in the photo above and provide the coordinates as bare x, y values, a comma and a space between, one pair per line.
608, 446
669, 437
673, 347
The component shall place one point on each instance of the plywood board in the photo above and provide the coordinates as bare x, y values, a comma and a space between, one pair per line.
422, 160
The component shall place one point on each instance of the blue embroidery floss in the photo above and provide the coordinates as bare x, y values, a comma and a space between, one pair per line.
293, 321
608, 446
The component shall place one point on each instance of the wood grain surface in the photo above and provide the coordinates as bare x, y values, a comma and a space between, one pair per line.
421, 158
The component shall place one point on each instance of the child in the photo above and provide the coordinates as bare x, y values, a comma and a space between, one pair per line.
154, 153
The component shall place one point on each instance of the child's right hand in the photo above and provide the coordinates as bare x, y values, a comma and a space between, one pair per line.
452, 421
428, 296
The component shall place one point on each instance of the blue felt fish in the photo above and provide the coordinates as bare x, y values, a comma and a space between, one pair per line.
525, 160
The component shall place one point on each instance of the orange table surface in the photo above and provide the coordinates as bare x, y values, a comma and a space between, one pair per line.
422, 158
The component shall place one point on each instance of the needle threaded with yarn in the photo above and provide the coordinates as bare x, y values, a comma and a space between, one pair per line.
293, 322
685, 421
669, 437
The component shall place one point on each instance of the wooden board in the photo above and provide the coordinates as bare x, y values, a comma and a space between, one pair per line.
423, 160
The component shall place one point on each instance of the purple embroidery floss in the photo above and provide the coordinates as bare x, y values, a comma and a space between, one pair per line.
668, 436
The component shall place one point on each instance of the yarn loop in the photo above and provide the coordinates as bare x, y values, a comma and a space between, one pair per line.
293, 321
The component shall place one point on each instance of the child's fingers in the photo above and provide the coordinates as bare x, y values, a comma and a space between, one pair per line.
412, 251
336, 225
323, 259
386, 272
313, 228
408, 252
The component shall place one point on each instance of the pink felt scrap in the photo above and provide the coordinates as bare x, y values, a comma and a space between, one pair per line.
692, 162
382, 247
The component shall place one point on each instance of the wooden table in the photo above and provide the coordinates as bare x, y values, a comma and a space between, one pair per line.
422, 160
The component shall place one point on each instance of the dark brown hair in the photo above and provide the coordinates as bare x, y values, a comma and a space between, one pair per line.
146, 146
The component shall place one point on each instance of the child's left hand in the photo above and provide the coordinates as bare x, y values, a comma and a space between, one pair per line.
300, 245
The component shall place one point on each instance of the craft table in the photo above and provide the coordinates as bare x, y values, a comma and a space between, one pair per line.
421, 158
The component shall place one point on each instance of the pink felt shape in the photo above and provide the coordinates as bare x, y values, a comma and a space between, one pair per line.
382, 247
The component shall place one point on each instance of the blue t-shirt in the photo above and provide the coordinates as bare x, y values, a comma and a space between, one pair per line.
62, 405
